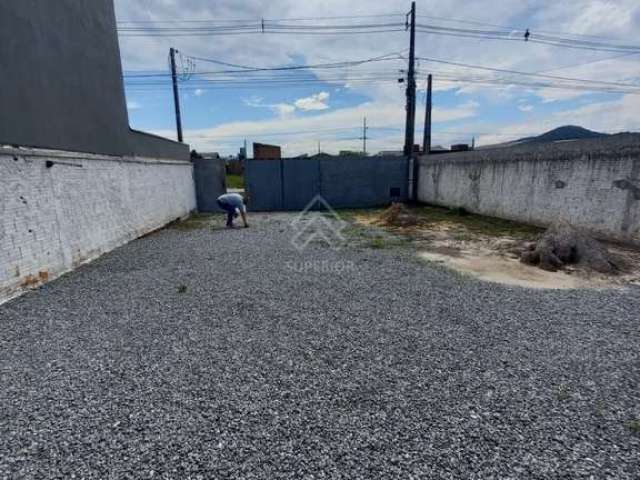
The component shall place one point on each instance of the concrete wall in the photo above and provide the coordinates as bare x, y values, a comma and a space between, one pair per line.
210, 178
61, 83
344, 182
594, 184
59, 210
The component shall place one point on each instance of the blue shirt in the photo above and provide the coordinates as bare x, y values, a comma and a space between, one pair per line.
234, 200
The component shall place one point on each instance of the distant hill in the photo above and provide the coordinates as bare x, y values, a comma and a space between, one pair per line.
567, 132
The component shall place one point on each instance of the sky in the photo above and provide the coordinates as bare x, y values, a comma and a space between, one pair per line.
311, 109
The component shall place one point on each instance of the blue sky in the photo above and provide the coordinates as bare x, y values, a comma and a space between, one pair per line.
299, 109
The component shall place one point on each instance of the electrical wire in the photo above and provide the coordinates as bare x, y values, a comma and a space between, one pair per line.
516, 72
245, 69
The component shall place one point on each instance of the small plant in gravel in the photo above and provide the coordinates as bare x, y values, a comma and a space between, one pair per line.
634, 426
563, 393
182, 289
378, 243
197, 221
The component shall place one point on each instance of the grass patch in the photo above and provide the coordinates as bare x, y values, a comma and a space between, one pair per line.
235, 180
563, 393
378, 243
478, 224
472, 223
634, 426
197, 221
182, 289
382, 242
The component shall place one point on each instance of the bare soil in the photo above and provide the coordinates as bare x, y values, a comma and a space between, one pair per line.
490, 248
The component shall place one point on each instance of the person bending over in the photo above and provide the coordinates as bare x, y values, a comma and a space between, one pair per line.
233, 204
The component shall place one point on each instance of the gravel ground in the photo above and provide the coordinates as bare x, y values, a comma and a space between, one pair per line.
390, 368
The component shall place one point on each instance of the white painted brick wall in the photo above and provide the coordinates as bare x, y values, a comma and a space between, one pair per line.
539, 185
54, 219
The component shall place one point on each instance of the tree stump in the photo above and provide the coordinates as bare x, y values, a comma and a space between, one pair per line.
563, 244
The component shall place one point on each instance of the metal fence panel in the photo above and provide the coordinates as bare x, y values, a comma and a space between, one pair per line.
363, 182
209, 176
263, 182
301, 182
345, 182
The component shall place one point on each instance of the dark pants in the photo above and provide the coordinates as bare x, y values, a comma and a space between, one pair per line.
231, 212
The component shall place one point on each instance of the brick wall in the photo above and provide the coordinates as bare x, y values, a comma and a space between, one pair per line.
56, 216
594, 184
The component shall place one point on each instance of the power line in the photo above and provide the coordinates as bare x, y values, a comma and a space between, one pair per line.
245, 69
597, 60
532, 38
510, 28
255, 21
380, 77
516, 72
272, 26
216, 20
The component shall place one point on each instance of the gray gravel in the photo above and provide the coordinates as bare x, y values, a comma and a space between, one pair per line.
391, 369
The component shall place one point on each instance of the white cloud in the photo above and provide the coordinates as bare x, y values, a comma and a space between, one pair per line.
612, 116
198, 92
614, 19
525, 107
314, 102
133, 105
300, 134
282, 109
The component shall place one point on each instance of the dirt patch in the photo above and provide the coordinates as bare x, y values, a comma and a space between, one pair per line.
397, 215
490, 249
494, 268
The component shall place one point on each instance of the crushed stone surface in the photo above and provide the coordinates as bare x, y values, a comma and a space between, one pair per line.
211, 353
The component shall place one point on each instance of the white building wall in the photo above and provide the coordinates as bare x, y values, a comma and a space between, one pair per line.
591, 184
56, 216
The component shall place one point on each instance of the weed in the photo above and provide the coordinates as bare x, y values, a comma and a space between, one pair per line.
478, 224
460, 211
182, 289
197, 221
563, 393
378, 243
462, 236
634, 426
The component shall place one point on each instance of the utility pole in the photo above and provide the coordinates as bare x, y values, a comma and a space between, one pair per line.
364, 137
411, 106
426, 142
411, 86
176, 95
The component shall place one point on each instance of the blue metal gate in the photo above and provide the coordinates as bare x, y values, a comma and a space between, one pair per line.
344, 182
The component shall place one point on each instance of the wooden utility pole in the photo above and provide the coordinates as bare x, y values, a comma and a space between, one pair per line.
426, 142
411, 86
411, 104
176, 94
364, 137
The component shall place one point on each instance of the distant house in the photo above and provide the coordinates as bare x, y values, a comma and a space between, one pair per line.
460, 147
350, 153
263, 151
439, 148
